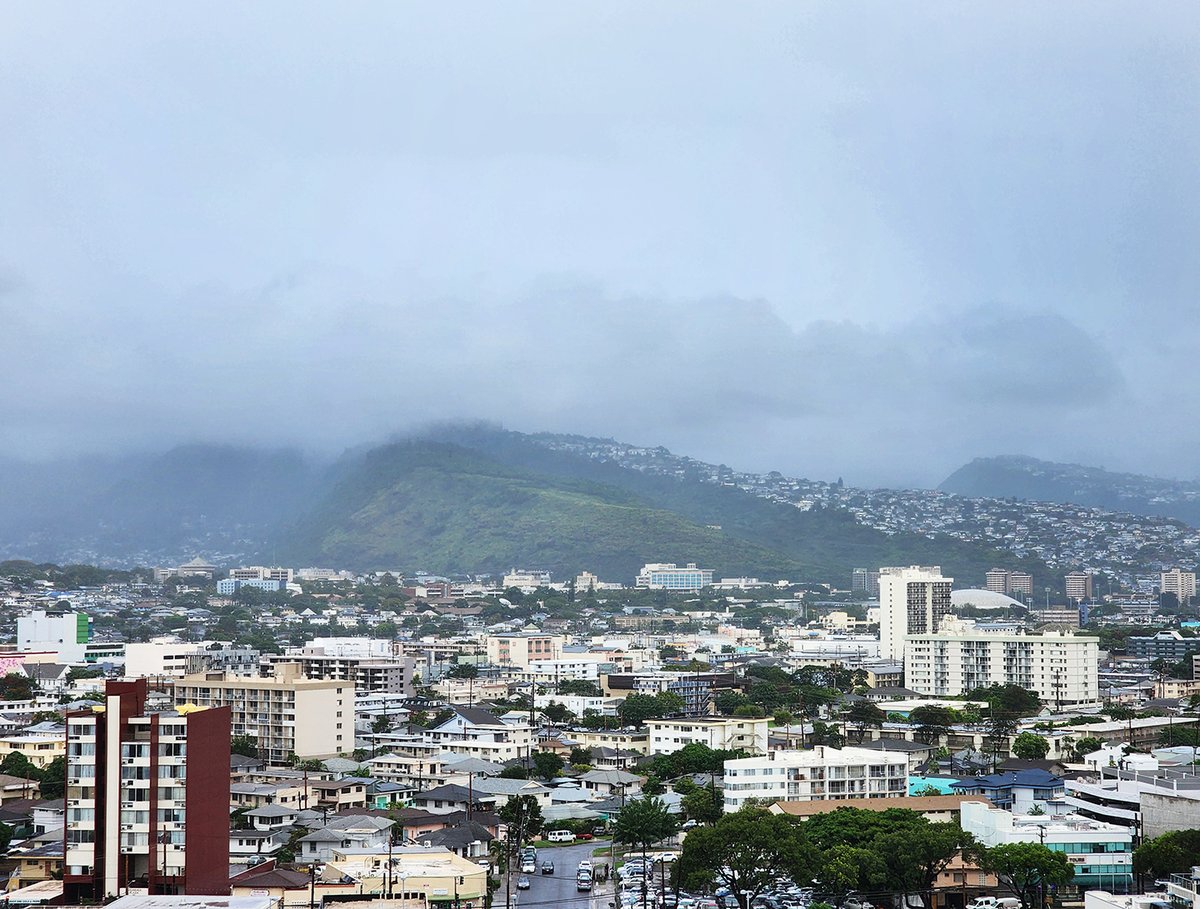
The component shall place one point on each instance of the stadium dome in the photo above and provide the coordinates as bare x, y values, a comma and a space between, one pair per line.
982, 599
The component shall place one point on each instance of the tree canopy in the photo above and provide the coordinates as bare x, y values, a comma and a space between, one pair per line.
746, 851
1027, 869
1172, 853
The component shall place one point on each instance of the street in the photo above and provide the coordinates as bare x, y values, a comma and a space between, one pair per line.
558, 890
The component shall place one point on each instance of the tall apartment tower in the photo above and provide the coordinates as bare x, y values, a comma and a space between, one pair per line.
147, 799
1001, 580
1180, 583
911, 601
865, 581
1078, 586
997, 580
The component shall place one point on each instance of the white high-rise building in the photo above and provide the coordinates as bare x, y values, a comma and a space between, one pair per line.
964, 655
911, 601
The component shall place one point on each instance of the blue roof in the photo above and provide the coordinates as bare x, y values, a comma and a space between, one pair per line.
1033, 778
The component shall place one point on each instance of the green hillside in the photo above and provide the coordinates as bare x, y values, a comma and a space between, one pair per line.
826, 543
441, 508
482, 500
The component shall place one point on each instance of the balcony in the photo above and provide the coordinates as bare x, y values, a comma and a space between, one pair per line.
1185, 887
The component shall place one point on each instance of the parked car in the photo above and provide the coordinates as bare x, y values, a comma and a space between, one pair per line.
528, 866
523, 883
560, 836
547, 867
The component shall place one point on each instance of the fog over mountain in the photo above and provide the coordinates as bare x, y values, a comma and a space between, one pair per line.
839, 239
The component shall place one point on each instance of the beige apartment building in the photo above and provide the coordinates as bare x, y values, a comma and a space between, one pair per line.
1180, 583
287, 714
520, 649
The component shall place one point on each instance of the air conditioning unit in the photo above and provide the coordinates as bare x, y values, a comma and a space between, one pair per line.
74, 781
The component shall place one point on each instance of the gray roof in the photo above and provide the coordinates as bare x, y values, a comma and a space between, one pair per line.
473, 765
896, 745
324, 835
477, 716
611, 777
272, 810
457, 837
499, 785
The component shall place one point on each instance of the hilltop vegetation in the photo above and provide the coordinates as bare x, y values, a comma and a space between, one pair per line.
481, 499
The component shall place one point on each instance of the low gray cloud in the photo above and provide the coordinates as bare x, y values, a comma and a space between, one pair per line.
827, 239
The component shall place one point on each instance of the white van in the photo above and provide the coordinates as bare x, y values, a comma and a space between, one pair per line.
991, 902
560, 836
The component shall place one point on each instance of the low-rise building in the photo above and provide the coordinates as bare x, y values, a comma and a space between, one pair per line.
1021, 791
748, 734
822, 772
522, 648
1101, 854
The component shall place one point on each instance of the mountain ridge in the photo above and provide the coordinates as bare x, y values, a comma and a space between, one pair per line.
1032, 479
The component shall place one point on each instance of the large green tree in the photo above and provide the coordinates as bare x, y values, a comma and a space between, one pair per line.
862, 716
1172, 853
746, 851
912, 851
703, 804
547, 764
932, 723
1030, 746
53, 778
644, 822
1027, 870
637, 708
523, 815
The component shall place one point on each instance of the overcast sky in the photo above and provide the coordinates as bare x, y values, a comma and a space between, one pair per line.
871, 240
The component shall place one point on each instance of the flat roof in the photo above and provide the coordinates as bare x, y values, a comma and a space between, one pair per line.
913, 803
145, 901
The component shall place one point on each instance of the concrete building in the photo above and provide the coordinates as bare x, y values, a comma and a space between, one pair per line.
747, 734
367, 664
1017, 584
964, 655
261, 573
1180, 583
698, 689
147, 799
669, 576
1021, 791
1167, 645
286, 714
65, 634
227, 587
159, 658
196, 568
523, 648
1100, 853
912, 600
822, 772
865, 581
1154, 801
1057, 615
522, 579
1078, 586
